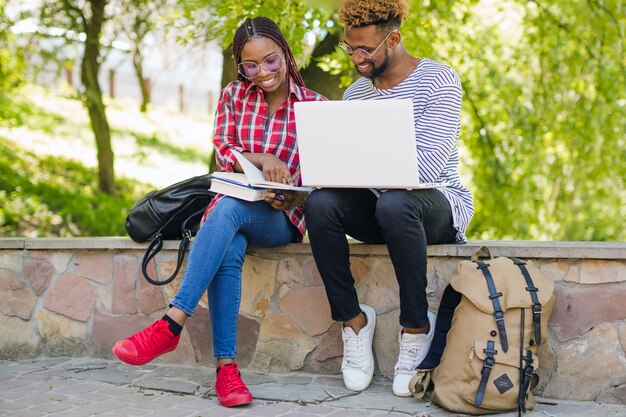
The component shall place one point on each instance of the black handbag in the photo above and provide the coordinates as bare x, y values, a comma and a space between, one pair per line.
174, 212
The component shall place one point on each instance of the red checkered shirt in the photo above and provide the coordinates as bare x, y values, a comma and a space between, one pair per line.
242, 123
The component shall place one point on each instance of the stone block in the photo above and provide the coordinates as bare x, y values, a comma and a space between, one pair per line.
39, 272
61, 261
622, 335
104, 299
16, 297
559, 270
383, 292
124, 283
330, 344
258, 282
282, 347
547, 365
602, 271
9, 261
443, 269
19, 340
247, 338
311, 274
150, 297
96, 267
289, 270
201, 335
386, 346
308, 307
71, 296
360, 267
589, 365
578, 309
109, 329
62, 336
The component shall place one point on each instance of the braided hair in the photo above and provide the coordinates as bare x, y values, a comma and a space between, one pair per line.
262, 27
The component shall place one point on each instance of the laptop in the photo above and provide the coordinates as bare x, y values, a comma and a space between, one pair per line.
358, 144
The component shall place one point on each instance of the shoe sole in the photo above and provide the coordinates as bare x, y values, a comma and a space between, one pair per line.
134, 361
361, 388
235, 403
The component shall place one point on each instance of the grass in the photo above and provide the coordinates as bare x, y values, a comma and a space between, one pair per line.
48, 173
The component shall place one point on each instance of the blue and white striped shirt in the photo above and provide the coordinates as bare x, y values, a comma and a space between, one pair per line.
436, 92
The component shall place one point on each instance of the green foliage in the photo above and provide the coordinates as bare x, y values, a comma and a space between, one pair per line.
544, 115
52, 196
219, 19
11, 64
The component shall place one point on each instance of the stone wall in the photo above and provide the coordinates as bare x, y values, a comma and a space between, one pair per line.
76, 297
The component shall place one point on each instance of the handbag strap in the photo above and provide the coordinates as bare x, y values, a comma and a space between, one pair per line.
157, 244
155, 247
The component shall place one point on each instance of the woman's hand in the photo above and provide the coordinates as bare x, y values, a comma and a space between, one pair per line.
285, 199
275, 170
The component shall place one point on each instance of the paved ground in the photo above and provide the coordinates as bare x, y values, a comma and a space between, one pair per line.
89, 387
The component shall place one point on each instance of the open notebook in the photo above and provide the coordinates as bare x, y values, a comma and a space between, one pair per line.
250, 185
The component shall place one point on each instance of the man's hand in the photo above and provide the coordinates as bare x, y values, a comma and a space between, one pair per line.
285, 199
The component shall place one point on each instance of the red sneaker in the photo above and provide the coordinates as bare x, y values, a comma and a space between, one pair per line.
230, 389
146, 345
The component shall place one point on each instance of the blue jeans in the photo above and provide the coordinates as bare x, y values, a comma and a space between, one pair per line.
216, 259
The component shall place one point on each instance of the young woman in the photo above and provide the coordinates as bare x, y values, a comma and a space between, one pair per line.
254, 116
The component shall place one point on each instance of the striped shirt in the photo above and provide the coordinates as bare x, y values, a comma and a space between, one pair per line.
242, 124
436, 92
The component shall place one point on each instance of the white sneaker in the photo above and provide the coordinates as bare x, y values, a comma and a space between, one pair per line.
358, 361
413, 350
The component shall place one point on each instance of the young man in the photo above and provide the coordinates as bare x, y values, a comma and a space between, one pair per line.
406, 221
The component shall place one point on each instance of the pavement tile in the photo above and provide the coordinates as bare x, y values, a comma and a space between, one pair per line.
270, 409
167, 384
313, 410
83, 387
293, 393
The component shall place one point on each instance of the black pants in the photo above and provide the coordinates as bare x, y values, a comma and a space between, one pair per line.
405, 220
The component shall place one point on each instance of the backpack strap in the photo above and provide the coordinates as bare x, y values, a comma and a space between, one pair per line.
490, 352
498, 314
533, 296
527, 374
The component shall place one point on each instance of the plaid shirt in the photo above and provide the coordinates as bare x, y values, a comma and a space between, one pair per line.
242, 123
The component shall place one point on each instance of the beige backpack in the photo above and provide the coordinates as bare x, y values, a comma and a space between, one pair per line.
490, 349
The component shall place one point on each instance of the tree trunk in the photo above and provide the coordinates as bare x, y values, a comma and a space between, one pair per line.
138, 64
318, 80
92, 97
229, 73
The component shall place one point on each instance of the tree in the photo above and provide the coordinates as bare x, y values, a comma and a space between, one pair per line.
11, 64
88, 18
543, 130
204, 20
136, 19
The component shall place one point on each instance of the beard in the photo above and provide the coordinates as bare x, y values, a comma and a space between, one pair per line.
378, 70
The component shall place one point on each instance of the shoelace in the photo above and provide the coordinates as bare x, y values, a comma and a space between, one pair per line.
232, 378
353, 355
409, 351
151, 336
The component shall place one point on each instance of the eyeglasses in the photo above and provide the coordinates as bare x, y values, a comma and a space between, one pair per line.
362, 52
250, 70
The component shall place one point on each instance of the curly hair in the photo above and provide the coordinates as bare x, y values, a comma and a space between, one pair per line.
358, 13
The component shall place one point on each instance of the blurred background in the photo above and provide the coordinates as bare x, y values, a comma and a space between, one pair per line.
104, 100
